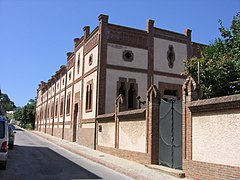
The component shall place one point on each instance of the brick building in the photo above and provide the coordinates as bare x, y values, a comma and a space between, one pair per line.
106, 62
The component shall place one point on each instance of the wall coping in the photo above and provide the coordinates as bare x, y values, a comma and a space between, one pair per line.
103, 117
132, 114
137, 113
214, 104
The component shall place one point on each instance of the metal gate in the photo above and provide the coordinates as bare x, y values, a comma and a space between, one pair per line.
170, 133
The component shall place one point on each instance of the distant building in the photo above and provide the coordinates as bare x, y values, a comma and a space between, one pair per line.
109, 61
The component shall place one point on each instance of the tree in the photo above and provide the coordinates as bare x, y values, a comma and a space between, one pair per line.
219, 63
26, 114
6, 104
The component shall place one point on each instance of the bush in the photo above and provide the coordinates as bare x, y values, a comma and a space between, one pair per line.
29, 126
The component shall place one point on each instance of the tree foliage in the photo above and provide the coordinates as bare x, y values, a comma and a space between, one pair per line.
6, 104
26, 114
219, 63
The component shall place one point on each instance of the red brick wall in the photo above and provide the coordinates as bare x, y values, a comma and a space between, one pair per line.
130, 155
202, 170
152, 128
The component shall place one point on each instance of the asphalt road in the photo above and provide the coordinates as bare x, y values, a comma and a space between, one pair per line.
34, 158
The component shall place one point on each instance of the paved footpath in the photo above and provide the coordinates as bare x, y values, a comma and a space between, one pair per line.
129, 168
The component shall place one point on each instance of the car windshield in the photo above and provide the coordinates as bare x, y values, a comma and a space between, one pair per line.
2, 129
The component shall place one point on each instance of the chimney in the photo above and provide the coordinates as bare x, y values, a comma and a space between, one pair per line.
86, 30
149, 25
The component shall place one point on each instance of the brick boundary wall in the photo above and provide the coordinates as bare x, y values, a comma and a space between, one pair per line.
191, 106
151, 118
126, 154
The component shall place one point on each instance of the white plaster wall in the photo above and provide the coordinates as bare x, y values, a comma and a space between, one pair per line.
94, 53
160, 56
67, 126
132, 135
70, 71
111, 86
88, 125
216, 138
88, 115
49, 92
53, 89
80, 51
77, 88
115, 56
166, 79
58, 86
107, 136
61, 82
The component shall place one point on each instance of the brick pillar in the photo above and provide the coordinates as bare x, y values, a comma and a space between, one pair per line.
118, 102
190, 93
152, 123
102, 63
188, 34
150, 31
86, 30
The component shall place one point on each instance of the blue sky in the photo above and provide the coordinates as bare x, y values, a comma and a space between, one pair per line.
35, 35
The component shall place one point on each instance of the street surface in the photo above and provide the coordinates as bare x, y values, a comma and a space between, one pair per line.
34, 158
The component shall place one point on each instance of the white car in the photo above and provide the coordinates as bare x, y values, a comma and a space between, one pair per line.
3, 142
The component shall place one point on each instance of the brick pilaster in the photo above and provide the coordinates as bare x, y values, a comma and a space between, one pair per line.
86, 30
102, 63
118, 102
190, 89
188, 34
152, 113
150, 31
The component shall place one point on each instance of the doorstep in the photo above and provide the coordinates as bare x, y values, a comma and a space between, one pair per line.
167, 170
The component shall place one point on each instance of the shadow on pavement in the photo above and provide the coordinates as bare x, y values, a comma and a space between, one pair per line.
31, 162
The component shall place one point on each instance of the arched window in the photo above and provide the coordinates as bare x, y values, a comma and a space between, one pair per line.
68, 104
89, 90
90, 61
131, 95
122, 89
78, 64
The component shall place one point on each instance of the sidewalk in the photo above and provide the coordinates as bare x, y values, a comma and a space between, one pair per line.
129, 168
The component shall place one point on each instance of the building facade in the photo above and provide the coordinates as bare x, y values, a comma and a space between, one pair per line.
106, 62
